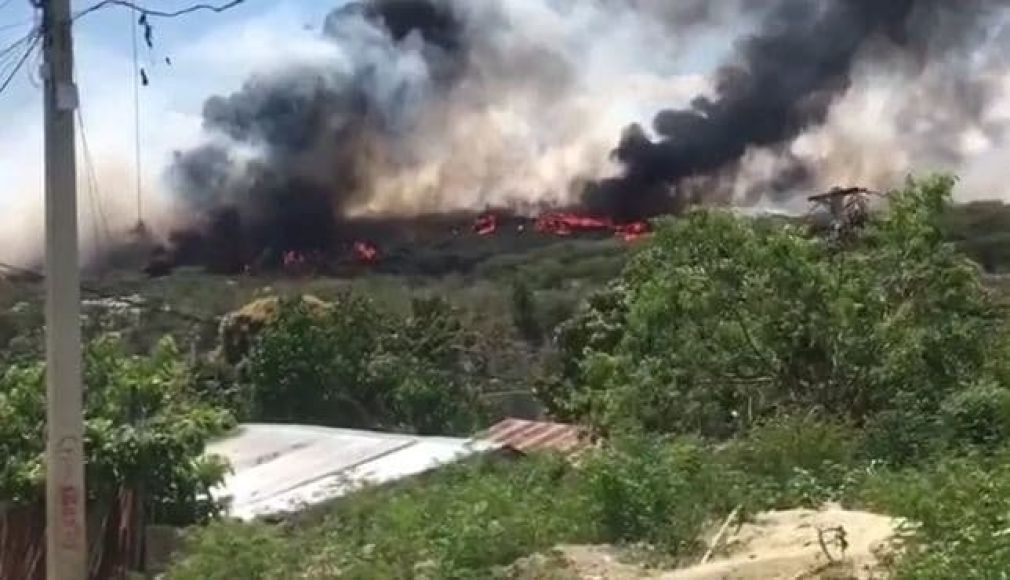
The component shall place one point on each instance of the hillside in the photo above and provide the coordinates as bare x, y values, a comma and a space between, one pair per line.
728, 364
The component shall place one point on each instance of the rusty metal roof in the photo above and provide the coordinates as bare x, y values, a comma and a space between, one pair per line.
525, 436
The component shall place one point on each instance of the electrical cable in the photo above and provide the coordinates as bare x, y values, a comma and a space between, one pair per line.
136, 126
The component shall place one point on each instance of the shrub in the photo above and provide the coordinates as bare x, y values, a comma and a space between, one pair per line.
655, 492
469, 520
144, 428
229, 550
793, 461
725, 320
978, 416
459, 524
313, 367
524, 312
355, 366
957, 509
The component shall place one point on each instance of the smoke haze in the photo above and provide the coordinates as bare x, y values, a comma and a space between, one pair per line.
438, 105
627, 108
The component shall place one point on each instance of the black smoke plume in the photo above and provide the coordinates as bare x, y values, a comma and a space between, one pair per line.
312, 130
782, 81
417, 103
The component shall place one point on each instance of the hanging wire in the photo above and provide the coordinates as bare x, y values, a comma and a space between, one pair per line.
31, 40
136, 124
99, 219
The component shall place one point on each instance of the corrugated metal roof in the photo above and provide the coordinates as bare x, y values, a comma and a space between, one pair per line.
284, 468
526, 436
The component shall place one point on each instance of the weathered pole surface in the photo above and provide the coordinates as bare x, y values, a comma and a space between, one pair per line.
66, 541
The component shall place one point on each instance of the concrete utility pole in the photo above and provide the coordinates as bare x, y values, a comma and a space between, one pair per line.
66, 541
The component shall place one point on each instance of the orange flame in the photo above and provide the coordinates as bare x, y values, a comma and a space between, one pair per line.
565, 224
366, 252
486, 224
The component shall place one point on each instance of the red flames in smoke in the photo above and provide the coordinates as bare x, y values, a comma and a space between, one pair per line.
566, 224
365, 252
486, 224
634, 231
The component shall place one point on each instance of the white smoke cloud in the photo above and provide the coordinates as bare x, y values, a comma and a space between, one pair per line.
216, 60
552, 84
901, 117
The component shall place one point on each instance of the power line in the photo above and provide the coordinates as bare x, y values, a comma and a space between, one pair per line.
160, 13
136, 125
19, 24
20, 62
13, 46
98, 217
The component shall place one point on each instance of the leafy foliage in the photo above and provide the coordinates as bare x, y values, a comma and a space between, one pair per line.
229, 550
354, 366
656, 493
470, 520
957, 512
725, 321
144, 428
524, 314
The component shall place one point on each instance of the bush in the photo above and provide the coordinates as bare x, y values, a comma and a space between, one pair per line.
655, 492
524, 312
228, 550
309, 366
958, 508
144, 429
793, 461
469, 520
723, 321
352, 365
978, 416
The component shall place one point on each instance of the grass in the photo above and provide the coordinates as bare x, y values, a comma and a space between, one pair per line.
472, 521
469, 522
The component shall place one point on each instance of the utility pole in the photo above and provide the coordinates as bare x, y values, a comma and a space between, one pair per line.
66, 541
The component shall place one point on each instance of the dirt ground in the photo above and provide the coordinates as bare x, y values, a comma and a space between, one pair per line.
826, 544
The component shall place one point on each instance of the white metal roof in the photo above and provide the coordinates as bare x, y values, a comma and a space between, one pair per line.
284, 468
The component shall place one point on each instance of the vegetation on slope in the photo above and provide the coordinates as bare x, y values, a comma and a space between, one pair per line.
145, 428
733, 362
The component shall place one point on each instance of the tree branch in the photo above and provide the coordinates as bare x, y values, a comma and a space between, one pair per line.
160, 13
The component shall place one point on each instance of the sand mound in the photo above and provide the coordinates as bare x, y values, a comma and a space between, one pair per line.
827, 544
803, 544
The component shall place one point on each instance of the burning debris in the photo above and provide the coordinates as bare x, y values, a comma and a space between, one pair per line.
564, 224
366, 253
436, 106
486, 224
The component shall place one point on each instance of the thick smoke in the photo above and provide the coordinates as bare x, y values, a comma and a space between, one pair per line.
427, 106
782, 81
292, 150
434, 105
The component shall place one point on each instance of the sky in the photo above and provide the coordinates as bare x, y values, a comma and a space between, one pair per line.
210, 53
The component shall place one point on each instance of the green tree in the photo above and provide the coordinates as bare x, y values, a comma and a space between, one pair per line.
726, 320
144, 429
314, 367
354, 366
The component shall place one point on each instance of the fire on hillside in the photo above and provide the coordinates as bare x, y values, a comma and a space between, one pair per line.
389, 244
